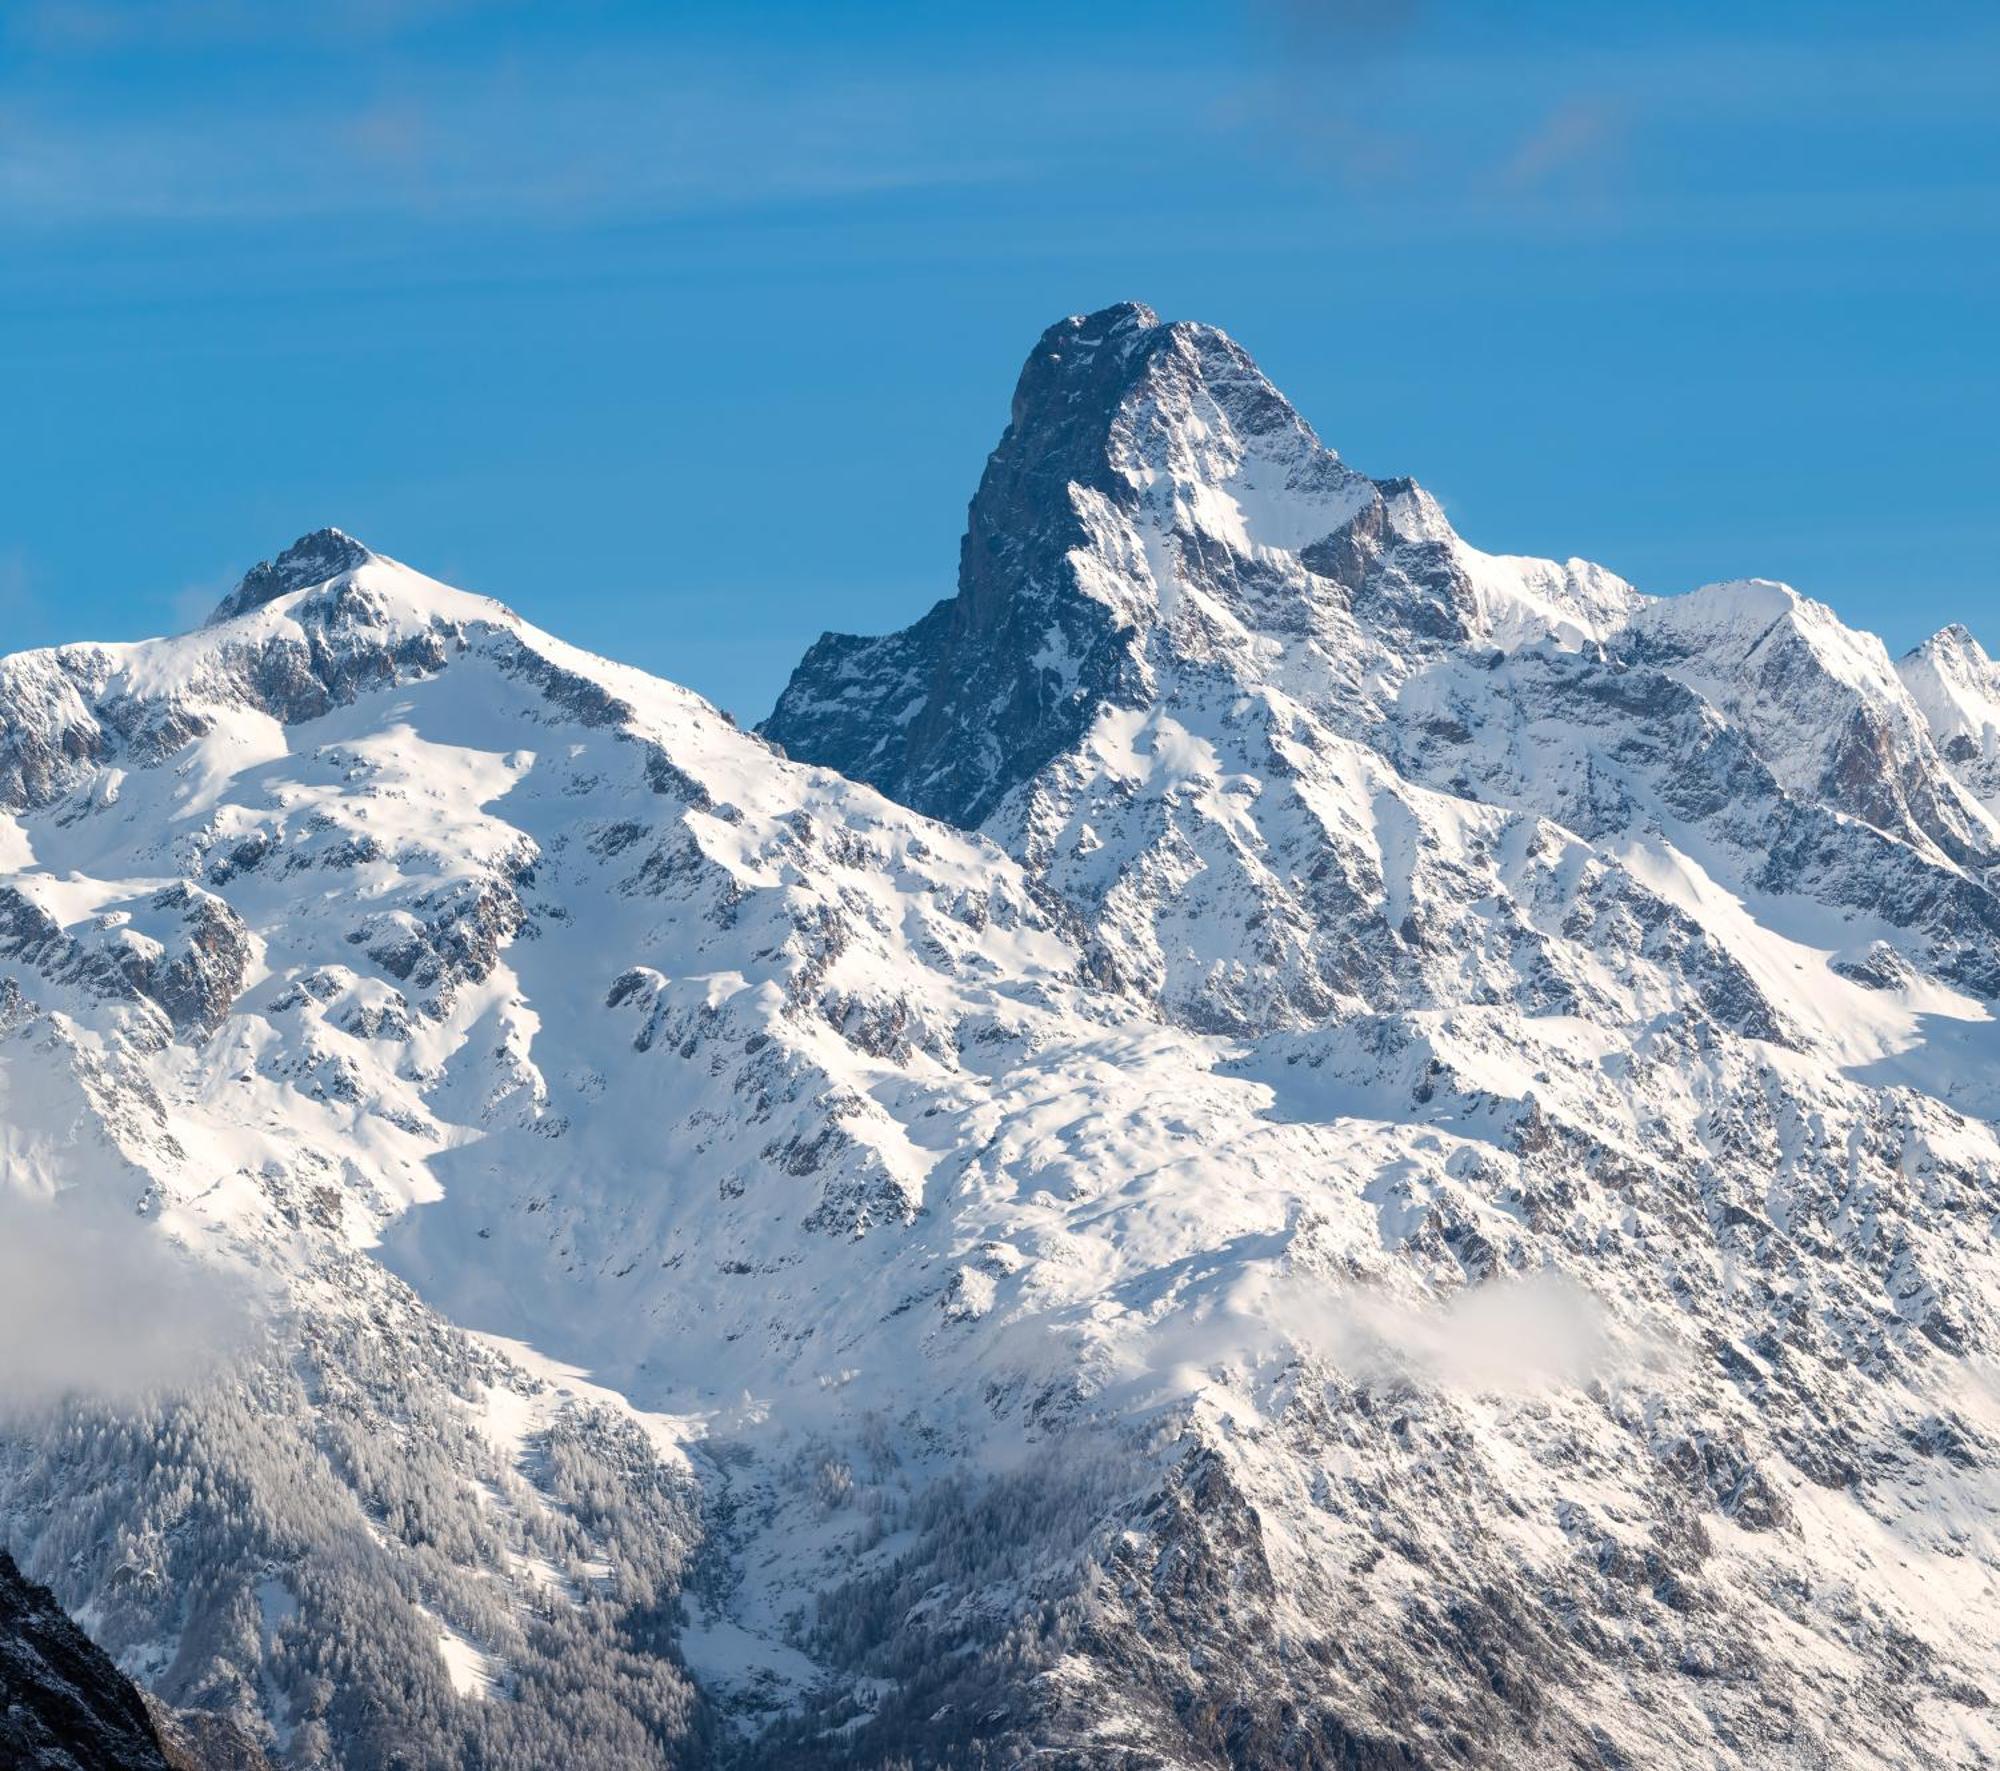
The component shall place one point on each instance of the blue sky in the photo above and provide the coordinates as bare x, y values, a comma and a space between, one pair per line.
686, 329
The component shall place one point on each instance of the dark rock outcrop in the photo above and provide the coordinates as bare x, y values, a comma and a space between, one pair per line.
63, 1705
310, 560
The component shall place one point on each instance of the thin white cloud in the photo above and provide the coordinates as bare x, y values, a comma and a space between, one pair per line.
1521, 1336
597, 136
92, 27
1527, 1335
1579, 138
97, 1304
17, 590
1372, 105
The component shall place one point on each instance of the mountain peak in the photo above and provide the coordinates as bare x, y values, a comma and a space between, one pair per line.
1088, 370
1154, 503
1108, 324
1957, 688
1083, 341
1122, 426
310, 560
1954, 641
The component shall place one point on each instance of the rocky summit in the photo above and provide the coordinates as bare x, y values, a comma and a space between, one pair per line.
1268, 1140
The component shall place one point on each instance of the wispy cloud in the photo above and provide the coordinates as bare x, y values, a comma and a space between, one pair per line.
1383, 109
1368, 95
18, 601
1535, 1334
1525, 1336
593, 136
97, 1304
1403, 103
84, 27
1579, 140
1335, 31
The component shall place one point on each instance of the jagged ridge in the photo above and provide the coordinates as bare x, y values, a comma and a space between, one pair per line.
1423, 1179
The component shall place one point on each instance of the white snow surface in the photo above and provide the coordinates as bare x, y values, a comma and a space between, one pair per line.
1375, 1096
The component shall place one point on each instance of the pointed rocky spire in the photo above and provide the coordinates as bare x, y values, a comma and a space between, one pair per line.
310, 560
1113, 410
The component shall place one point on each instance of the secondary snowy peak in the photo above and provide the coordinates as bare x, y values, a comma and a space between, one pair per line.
1155, 502
310, 560
1829, 713
288, 935
301, 634
1957, 688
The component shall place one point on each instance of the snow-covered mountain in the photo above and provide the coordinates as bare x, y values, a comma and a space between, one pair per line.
1958, 688
1275, 1141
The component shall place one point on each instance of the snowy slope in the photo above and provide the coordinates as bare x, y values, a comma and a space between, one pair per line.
1380, 1174
1656, 882
1957, 688
1824, 706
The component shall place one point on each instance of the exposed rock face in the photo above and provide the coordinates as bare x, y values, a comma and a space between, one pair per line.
1404, 1177
198, 1740
63, 1705
312, 559
994, 683
1159, 518
1154, 499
